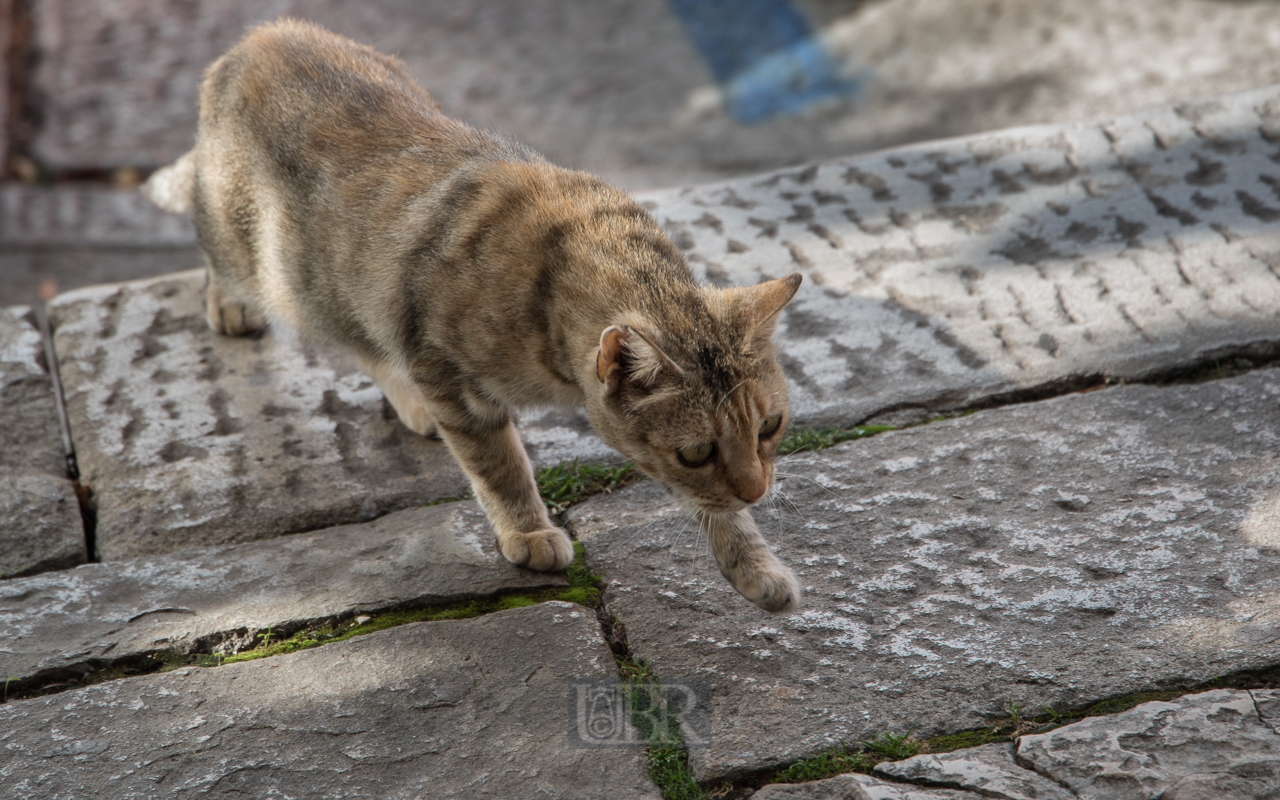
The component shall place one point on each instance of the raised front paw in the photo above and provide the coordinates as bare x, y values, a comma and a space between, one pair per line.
546, 549
768, 583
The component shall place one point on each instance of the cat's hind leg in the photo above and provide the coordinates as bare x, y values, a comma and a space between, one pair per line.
229, 315
404, 397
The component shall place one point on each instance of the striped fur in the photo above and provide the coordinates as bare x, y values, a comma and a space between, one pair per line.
471, 277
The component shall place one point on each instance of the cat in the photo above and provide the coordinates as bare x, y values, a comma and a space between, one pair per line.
471, 277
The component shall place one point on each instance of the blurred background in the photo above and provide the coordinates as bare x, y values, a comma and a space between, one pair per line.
648, 93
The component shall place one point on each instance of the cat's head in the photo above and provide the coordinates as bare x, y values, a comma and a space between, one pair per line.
698, 400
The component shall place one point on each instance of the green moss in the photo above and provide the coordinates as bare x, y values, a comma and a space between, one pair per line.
818, 438
1117, 704
963, 739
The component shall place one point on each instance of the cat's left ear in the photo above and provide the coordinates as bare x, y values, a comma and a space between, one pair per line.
764, 301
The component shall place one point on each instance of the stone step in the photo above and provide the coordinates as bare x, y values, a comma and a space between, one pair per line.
188, 438
66, 624
1049, 554
466, 708
947, 272
40, 525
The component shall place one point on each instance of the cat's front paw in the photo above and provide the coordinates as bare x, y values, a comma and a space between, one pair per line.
769, 584
546, 549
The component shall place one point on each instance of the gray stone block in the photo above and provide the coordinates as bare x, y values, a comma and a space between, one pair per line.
1210, 745
188, 438
857, 787
40, 526
989, 770
1053, 553
467, 708
951, 271
217, 599
86, 214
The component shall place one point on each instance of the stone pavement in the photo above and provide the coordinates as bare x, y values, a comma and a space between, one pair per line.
1051, 548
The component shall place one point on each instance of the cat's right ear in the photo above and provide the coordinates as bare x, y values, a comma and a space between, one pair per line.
628, 355
609, 357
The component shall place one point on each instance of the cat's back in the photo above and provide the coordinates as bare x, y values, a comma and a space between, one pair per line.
304, 93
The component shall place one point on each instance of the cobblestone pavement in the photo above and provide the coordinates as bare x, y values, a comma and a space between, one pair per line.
1095, 523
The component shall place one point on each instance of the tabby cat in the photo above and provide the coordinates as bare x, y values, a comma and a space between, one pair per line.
471, 277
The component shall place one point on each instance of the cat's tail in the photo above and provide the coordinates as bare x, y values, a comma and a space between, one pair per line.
172, 188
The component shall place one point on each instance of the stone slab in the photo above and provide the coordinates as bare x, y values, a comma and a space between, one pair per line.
951, 271
1210, 745
989, 770
857, 787
217, 599
188, 438
40, 526
86, 214
1052, 553
466, 708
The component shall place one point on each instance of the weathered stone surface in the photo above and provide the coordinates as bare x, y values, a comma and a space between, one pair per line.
188, 438
948, 271
857, 787
1052, 553
1210, 745
219, 598
989, 770
71, 214
116, 82
439, 709
40, 525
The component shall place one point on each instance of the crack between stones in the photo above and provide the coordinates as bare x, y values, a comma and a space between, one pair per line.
208, 651
83, 492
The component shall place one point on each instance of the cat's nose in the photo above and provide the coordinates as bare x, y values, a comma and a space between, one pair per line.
753, 491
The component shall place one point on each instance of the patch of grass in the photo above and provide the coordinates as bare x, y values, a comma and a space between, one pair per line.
892, 746
570, 482
836, 761
819, 438
665, 750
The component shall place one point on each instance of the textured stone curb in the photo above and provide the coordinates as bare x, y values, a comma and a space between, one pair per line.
942, 273
1219, 744
188, 438
40, 527
462, 709
217, 599
989, 769
1051, 554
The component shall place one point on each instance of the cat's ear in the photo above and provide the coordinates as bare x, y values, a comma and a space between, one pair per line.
763, 302
629, 355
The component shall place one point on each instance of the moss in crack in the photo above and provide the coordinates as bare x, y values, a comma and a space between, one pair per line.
583, 589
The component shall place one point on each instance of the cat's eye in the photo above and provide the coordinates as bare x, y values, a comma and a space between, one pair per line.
769, 425
695, 455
